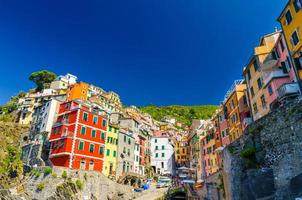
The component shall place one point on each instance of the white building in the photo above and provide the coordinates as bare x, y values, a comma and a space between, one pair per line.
162, 155
62, 82
45, 114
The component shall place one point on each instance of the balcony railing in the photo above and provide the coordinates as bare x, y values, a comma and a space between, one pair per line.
288, 90
274, 74
59, 123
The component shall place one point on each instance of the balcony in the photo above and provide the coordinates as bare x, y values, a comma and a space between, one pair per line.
289, 89
274, 74
269, 65
60, 123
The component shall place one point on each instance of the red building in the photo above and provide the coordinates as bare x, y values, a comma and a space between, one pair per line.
78, 137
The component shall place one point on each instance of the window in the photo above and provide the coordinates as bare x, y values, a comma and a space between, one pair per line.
66, 105
129, 141
108, 152
62, 143
104, 123
103, 136
125, 138
298, 62
110, 128
275, 54
156, 155
91, 148
156, 147
108, 139
111, 140
163, 147
93, 133
263, 102
55, 145
284, 67
288, 17
95, 119
155, 141
101, 150
295, 38
128, 152
255, 108
83, 130
270, 90
59, 130
259, 82
282, 45
162, 155
81, 145
54, 130
248, 74
297, 5
114, 153
116, 141
85, 116
252, 92
256, 66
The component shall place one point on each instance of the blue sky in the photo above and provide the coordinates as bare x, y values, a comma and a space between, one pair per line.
163, 52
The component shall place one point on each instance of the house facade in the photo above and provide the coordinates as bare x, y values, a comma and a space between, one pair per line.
78, 137
111, 150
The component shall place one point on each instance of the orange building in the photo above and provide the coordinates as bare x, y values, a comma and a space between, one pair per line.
78, 91
237, 110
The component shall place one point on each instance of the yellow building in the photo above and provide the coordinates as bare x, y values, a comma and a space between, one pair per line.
254, 74
236, 107
110, 158
181, 151
291, 23
77, 91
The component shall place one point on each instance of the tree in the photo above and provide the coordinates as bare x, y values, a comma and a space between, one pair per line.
42, 79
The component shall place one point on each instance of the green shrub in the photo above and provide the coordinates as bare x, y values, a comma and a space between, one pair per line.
40, 186
248, 152
231, 149
54, 175
47, 171
60, 187
38, 174
64, 174
79, 184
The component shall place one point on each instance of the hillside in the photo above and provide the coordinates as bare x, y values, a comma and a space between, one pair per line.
183, 114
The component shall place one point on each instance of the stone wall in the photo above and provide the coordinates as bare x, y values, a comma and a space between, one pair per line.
274, 169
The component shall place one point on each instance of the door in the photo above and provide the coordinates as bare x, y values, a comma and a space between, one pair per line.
110, 168
91, 165
83, 164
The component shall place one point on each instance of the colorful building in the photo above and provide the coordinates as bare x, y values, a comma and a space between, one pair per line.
77, 91
290, 20
236, 109
224, 127
78, 137
268, 73
110, 160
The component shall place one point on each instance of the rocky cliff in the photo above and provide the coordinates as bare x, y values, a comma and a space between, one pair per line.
266, 163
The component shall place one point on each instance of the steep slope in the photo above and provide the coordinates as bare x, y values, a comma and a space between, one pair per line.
183, 114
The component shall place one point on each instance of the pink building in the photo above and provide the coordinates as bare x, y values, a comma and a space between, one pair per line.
278, 71
224, 128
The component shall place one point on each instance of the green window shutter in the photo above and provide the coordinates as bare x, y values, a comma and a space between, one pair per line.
83, 130
156, 147
81, 145
108, 152
125, 138
59, 130
85, 116
111, 140
95, 119
114, 153
66, 105
54, 130
163, 147
163, 155
108, 139
110, 128
91, 148
101, 150
129, 141
93, 133
155, 140
104, 123
103, 136
156, 155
